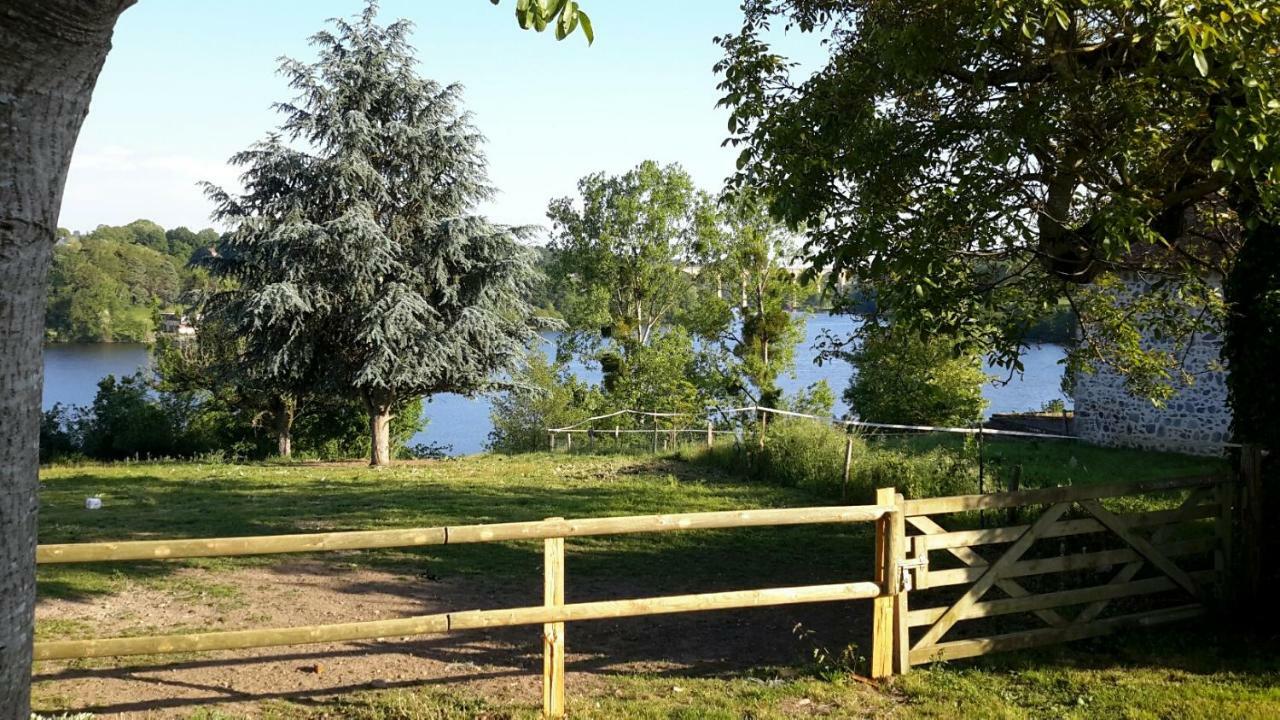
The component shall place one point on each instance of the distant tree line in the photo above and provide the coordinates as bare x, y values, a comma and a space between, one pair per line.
111, 284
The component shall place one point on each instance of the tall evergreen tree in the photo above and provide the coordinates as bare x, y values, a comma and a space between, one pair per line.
355, 255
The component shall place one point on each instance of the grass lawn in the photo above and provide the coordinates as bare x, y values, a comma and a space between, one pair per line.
1185, 671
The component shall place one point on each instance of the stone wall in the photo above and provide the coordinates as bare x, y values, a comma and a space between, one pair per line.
1196, 421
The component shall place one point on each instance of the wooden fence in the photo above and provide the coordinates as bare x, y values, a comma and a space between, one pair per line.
1164, 565
552, 614
902, 567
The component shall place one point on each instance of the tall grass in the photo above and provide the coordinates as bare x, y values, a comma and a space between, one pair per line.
810, 455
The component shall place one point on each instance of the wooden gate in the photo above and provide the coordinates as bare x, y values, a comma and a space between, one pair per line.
1070, 566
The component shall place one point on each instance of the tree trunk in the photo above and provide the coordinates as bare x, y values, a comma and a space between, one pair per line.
50, 54
380, 425
1250, 347
284, 433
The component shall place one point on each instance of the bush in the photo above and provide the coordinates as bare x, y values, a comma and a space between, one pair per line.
546, 396
803, 453
903, 378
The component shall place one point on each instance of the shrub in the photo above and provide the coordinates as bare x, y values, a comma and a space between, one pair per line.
803, 453
546, 396
903, 378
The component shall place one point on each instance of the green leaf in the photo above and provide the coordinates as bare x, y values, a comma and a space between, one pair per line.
1202, 63
1064, 20
586, 27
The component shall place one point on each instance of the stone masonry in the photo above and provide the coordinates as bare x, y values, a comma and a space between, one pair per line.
1195, 421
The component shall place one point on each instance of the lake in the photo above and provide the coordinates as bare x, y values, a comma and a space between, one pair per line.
72, 373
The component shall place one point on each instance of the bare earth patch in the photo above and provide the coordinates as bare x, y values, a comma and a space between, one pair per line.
503, 664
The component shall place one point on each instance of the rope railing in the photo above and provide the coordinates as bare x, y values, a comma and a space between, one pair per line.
578, 426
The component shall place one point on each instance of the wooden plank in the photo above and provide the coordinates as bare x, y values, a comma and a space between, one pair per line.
882, 607
974, 560
1062, 598
1045, 636
575, 612
540, 530
992, 573
1129, 571
553, 633
1142, 545
369, 539
445, 622
901, 631
218, 547
1064, 528
1046, 496
1080, 561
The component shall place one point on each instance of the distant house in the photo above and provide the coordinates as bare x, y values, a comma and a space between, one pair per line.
1195, 421
175, 324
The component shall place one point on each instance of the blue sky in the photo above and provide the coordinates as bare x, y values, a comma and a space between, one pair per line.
190, 82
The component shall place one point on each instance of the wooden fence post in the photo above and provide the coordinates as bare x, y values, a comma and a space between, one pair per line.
884, 627
553, 633
553, 441
711, 434
655, 436
568, 442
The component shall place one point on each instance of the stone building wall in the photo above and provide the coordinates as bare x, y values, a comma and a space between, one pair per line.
1195, 421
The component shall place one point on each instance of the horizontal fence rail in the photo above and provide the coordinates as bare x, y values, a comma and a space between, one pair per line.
447, 622
449, 535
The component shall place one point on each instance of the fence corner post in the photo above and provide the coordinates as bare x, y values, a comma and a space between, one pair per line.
553, 633
884, 630
711, 434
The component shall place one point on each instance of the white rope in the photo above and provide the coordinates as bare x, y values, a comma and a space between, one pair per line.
846, 423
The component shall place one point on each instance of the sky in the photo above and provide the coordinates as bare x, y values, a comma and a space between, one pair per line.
188, 83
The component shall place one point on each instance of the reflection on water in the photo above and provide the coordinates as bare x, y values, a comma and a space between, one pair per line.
73, 371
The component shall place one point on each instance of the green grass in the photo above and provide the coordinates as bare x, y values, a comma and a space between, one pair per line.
1193, 671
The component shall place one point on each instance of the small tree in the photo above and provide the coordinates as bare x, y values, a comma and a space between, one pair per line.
905, 378
746, 289
355, 254
622, 250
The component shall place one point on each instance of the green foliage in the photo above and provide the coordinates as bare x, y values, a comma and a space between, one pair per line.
904, 378
355, 257
565, 15
619, 252
546, 395
109, 285
746, 295
975, 166
659, 377
125, 422
817, 399
804, 453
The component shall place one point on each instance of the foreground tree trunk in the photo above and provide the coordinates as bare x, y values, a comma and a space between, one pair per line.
50, 54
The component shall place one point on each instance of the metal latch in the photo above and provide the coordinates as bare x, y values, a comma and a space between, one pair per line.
905, 567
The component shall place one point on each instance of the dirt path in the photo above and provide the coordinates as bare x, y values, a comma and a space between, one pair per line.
501, 664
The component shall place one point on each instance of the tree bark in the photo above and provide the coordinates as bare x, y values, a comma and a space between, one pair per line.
380, 425
284, 430
51, 52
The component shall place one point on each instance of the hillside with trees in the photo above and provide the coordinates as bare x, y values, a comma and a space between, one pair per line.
111, 284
